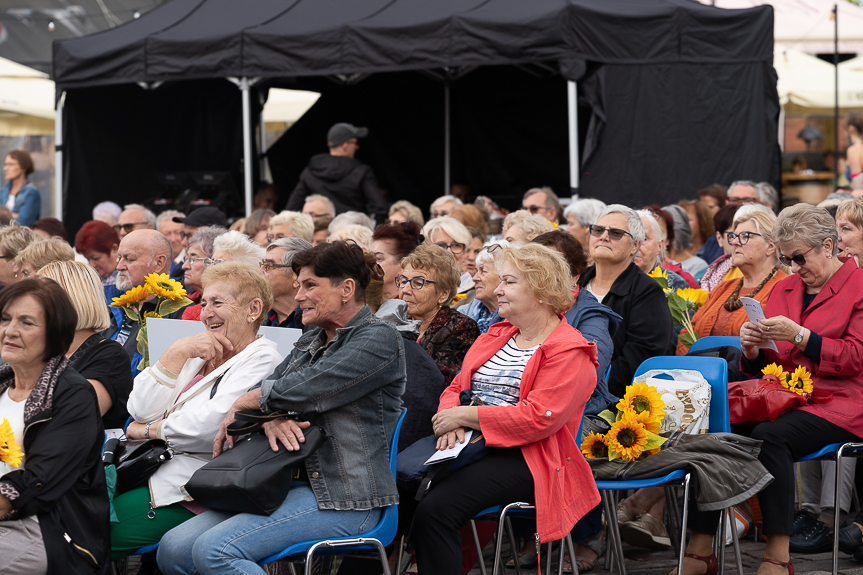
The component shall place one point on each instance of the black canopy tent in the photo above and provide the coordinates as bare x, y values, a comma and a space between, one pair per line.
680, 95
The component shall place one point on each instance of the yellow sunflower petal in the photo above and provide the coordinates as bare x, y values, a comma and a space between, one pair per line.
164, 287
801, 381
594, 445
10, 452
135, 295
650, 423
775, 372
627, 438
642, 397
658, 272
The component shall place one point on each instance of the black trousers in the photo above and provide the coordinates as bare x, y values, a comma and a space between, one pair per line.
790, 437
501, 477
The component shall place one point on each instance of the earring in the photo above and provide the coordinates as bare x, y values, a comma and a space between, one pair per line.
540, 301
344, 301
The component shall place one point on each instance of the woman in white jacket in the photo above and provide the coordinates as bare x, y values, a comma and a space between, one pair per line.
184, 397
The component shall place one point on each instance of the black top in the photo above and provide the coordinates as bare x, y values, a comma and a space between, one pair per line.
348, 182
646, 330
105, 361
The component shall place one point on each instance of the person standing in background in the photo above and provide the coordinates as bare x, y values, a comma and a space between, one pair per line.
18, 194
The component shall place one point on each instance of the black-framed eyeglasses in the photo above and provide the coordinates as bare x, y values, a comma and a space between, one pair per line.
613, 233
128, 228
455, 248
271, 238
535, 209
188, 259
799, 259
742, 237
435, 214
267, 265
416, 283
210, 262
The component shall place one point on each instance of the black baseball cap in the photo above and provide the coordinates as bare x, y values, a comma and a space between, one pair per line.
341, 133
205, 216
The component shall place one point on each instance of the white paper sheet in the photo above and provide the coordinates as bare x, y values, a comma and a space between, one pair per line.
450, 452
756, 313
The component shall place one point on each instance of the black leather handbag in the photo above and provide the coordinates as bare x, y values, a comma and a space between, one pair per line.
136, 461
251, 477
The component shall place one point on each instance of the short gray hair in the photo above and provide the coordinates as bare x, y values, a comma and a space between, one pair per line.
205, 237
168, 215
805, 223
149, 217
240, 246
360, 235
586, 210
293, 247
748, 183
346, 219
682, 231
767, 195
633, 220
653, 222
107, 209
331, 207
444, 199
302, 225
486, 257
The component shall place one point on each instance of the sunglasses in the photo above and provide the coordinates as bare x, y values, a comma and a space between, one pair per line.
743, 237
799, 259
128, 228
535, 209
416, 283
613, 233
439, 214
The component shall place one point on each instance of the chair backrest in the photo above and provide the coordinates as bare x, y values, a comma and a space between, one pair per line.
394, 444
714, 370
715, 341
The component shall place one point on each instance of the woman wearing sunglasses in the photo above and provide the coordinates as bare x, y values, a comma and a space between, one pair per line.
428, 282
754, 254
616, 281
815, 317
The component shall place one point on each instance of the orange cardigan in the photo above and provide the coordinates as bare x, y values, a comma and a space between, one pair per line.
705, 318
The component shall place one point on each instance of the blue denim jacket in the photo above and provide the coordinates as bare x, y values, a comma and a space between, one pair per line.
28, 202
351, 387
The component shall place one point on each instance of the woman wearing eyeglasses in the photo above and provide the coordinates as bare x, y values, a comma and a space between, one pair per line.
754, 254
616, 281
428, 282
815, 317
453, 236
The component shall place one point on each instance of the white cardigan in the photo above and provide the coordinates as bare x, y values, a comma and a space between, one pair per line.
191, 424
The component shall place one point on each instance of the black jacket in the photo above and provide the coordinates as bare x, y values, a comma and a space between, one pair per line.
421, 398
348, 182
646, 329
63, 480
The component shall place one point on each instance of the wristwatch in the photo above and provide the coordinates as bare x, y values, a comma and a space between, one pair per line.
147, 427
798, 339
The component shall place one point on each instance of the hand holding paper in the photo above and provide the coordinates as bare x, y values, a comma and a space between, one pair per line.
756, 313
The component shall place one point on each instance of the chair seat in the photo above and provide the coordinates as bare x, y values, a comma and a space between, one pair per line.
828, 451
146, 549
618, 485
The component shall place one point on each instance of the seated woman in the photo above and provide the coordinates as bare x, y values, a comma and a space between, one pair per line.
483, 310
754, 254
849, 225
346, 375
530, 378
98, 243
521, 226
13, 239
101, 361
199, 250
428, 283
721, 269
451, 235
39, 254
652, 250
681, 251
184, 397
391, 243
616, 281
815, 318
53, 499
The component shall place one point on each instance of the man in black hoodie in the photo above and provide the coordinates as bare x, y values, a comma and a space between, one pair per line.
348, 182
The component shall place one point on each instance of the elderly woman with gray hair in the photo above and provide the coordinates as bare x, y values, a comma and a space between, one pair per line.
616, 281
815, 319
681, 251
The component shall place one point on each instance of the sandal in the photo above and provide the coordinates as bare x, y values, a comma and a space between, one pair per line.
786, 564
595, 544
712, 563
525, 560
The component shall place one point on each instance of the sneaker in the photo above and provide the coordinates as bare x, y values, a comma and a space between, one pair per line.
803, 520
850, 539
647, 532
623, 515
817, 539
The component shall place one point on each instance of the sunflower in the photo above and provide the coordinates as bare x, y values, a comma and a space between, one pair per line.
627, 438
774, 372
696, 297
658, 272
801, 381
642, 397
135, 295
594, 445
650, 423
165, 287
10, 453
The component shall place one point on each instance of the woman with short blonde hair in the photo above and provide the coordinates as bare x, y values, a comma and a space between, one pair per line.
13, 239
453, 236
849, 226
404, 211
39, 254
360, 235
522, 226
291, 224
545, 272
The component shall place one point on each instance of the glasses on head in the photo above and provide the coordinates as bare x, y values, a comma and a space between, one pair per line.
742, 237
799, 259
416, 283
188, 259
493, 248
127, 227
535, 209
455, 248
613, 233
377, 272
439, 214
267, 265
210, 262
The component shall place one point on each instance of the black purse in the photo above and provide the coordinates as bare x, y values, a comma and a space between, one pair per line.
136, 461
251, 477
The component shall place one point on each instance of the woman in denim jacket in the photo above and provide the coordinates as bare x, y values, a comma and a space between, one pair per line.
346, 375
18, 195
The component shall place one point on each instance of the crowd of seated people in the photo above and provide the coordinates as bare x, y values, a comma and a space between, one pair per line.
465, 327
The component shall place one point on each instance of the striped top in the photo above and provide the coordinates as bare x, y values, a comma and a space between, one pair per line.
498, 380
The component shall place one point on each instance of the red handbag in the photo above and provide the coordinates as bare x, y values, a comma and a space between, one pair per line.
756, 400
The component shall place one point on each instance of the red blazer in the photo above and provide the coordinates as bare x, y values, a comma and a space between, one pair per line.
836, 314
556, 384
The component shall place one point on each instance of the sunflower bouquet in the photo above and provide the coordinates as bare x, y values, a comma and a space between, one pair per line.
634, 432
682, 304
10, 452
799, 381
170, 297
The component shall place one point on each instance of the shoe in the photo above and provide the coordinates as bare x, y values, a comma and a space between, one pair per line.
817, 539
712, 563
646, 532
623, 515
850, 539
803, 520
595, 544
858, 554
786, 564
525, 560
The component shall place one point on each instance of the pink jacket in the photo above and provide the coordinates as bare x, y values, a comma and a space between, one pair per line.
556, 384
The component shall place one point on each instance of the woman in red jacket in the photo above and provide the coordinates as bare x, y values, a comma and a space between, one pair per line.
529, 378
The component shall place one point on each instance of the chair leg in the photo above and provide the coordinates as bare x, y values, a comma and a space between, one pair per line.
513, 545
837, 510
720, 543
614, 534
476, 545
548, 558
383, 554
684, 523
673, 516
571, 548
735, 541
608, 533
501, 525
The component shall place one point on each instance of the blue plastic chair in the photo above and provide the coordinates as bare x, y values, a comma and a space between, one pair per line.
715, 341
376, 539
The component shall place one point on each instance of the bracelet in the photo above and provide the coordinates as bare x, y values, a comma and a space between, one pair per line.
147, 430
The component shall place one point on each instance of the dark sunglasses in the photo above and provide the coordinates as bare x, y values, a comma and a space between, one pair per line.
613, 233
128, 228
799, 259
535, 209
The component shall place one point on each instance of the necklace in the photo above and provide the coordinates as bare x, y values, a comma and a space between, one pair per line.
733, 302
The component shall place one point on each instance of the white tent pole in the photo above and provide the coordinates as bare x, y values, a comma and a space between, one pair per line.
247, 144
58, 157
572, 112
262, 135
446, 145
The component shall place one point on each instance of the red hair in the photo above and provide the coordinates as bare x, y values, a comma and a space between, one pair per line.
96, 236
405, 235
